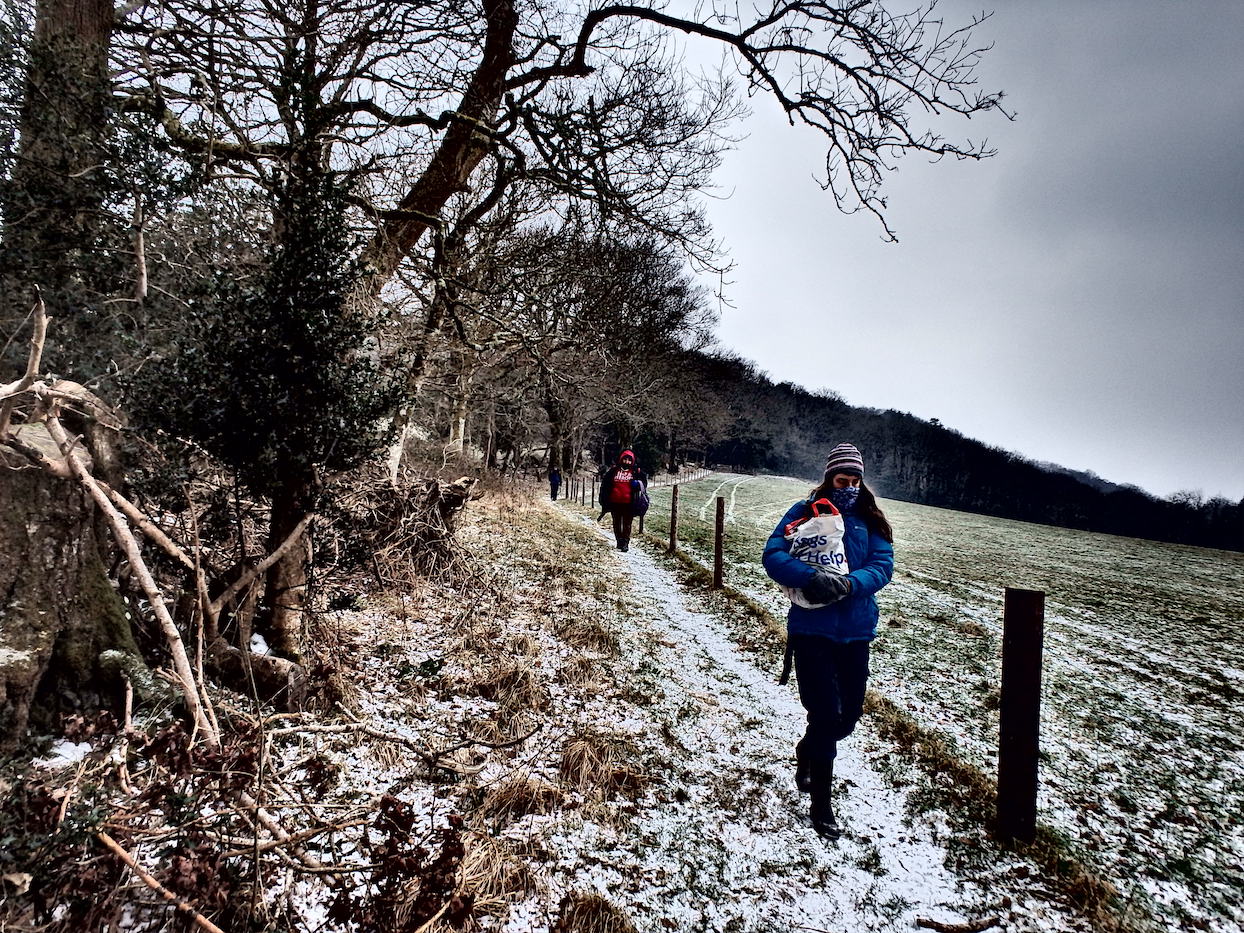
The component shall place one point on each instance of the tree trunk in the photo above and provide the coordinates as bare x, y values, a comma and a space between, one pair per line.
555, 410
52, 230
403, 420
490, 442
65, 635
461, 409
284, 622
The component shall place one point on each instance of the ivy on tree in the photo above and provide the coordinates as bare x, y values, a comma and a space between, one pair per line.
281, 378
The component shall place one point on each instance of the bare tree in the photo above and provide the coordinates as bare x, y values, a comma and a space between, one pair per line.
429, 114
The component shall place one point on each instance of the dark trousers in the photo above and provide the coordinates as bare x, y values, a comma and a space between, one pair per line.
553, 487
832, 677
622, 519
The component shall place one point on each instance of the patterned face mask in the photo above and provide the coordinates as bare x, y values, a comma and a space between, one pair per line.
844, 499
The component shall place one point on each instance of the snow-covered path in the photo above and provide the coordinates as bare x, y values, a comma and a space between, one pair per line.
727, 846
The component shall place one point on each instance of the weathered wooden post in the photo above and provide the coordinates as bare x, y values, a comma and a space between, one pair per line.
1019, 713
674, 520
593, 491
718, 543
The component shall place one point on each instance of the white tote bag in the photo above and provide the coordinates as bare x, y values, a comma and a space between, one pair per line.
817, 540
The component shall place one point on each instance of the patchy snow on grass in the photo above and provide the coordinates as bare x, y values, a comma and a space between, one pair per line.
63, 753
724, 844
1141, 747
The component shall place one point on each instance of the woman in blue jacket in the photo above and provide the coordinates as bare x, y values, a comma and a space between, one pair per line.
829, 644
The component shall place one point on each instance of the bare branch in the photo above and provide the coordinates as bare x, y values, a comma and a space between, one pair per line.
147, 879
262, 567
191, 689
9, 392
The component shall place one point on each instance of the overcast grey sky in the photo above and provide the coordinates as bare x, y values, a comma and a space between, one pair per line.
1079, 298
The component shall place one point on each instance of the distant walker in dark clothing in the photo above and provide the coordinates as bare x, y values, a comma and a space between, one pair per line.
621, 490
555, 482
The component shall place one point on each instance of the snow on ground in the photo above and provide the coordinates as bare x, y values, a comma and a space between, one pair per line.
732, 849
63, 753
1141, 747
467, 704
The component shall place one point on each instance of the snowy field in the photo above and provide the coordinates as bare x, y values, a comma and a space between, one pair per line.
570, 739
1142, 750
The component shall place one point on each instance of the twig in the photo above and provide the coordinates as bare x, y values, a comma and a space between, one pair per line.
436, 916
122, 750
294, 838
148, 880
69, 792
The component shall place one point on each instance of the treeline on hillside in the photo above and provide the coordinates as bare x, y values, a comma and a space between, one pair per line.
674, 404
782, 428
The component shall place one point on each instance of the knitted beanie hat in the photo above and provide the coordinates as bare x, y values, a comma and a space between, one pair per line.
845, 458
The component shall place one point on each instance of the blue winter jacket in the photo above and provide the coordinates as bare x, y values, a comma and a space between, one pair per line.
871, 559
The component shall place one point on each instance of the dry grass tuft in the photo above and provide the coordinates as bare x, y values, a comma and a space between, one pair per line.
582, 912
522, 645
581, 673
519, 796
514, 686
590, 634
599, 766
968, 627
493, 876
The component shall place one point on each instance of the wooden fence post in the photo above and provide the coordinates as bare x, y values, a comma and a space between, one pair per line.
1019, 713
674, 520
718, 542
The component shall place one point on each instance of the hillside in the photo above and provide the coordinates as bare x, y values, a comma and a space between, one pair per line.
566, 740
737, 417
1141, 772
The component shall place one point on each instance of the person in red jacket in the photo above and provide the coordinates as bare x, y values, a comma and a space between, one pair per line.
620, 490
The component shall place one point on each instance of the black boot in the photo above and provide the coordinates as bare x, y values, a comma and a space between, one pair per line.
803, 775
821, 811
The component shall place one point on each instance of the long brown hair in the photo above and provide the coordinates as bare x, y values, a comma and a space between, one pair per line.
866, 506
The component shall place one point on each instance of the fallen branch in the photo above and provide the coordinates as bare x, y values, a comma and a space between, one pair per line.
57, 468
295, 838
268, 822
160, 889
972, 926
194, 697
262, 567
372, 731
471, 743
146, 526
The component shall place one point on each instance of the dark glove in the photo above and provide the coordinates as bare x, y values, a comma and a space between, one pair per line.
826, 587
